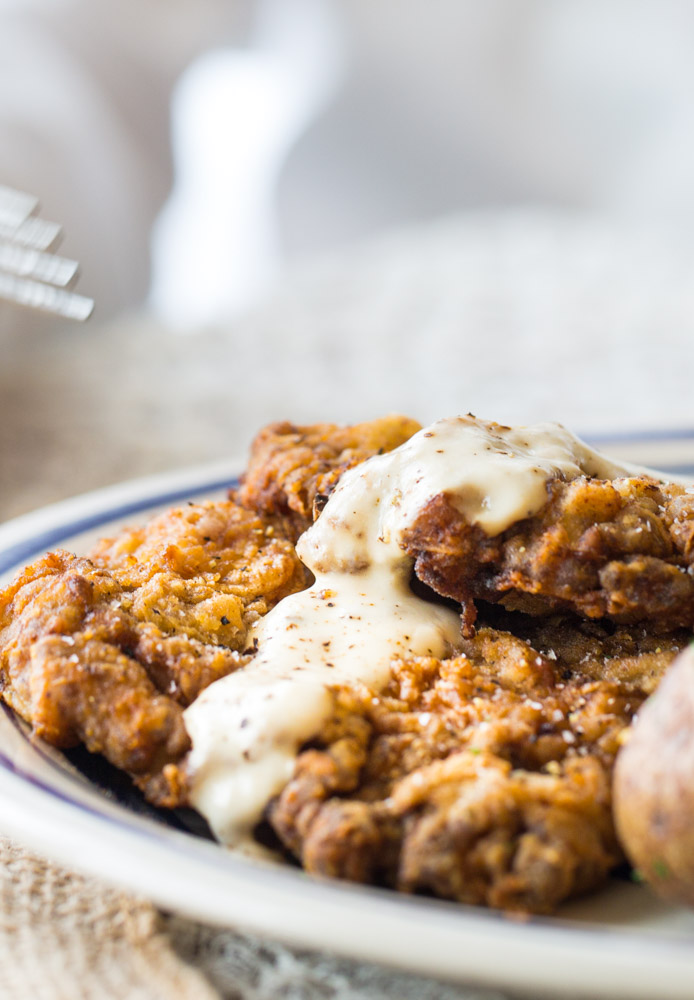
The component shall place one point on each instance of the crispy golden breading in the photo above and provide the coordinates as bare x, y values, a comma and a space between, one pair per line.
109, 651
483, 778
600, 650
197, 565
69, 665
290, 467
620, 550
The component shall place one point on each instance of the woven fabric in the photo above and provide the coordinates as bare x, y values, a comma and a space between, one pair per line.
66, 937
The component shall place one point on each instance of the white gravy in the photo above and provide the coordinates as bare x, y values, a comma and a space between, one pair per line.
246, 729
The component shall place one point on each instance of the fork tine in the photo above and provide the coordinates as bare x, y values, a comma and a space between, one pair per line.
47, 298
29, 275
46, 267
33, 233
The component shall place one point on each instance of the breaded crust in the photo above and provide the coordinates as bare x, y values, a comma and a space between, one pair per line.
620, 550
292, 469
108, 651
600, 650
484, 778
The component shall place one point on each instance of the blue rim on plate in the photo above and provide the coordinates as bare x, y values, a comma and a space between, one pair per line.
620, 943
670, 451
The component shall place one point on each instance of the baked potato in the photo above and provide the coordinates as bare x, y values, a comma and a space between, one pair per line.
653, 786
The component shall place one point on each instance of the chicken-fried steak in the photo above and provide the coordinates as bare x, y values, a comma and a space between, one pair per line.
382, 738
621, 550
109, 651
484, 778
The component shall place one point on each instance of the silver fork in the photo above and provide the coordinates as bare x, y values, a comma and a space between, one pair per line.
31, 274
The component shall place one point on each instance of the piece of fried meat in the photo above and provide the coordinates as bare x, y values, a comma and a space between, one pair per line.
108, 651
621, 550
485, 778
292, 469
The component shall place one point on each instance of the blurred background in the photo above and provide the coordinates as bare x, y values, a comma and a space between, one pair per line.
341, 120
329, 209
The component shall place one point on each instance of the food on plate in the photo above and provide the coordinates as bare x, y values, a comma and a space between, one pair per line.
108, 651
654, 792
482, 778
404, 656
619, 549
630, 655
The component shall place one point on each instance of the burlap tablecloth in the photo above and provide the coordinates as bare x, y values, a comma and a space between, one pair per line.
517, 317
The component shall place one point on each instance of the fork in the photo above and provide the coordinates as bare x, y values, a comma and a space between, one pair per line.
30, 273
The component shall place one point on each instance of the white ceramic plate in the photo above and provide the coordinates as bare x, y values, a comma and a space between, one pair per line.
621, 942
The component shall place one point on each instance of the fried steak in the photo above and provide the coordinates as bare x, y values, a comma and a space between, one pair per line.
109, 650
484, 778
292, 470
621, 550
